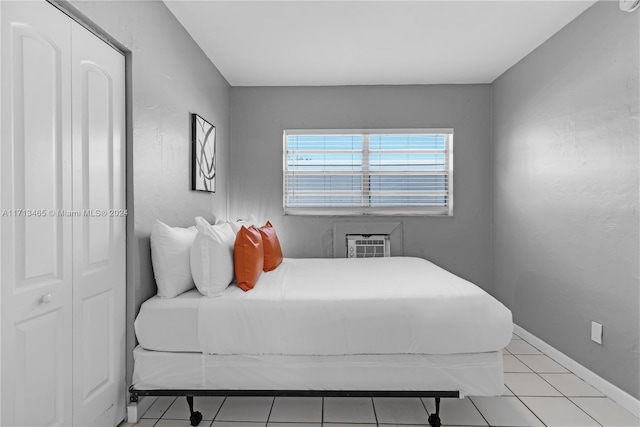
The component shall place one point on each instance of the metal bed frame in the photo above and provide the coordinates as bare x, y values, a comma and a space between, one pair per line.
196, 416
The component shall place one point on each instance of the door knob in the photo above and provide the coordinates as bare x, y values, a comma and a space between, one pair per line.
46, 298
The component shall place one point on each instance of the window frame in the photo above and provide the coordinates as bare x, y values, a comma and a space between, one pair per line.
368, 210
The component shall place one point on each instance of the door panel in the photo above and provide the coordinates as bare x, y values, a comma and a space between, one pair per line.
98, 151
41, 382
97, 335
35, 182
38, 118
99, 239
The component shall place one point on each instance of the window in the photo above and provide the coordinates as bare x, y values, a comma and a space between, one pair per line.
368, 172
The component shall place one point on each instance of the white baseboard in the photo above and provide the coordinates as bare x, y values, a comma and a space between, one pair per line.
135, 411
614, 393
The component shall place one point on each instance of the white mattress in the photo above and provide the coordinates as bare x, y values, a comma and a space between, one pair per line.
169, 324
396, 305
477, 374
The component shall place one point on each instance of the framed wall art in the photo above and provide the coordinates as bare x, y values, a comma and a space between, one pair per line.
203, 170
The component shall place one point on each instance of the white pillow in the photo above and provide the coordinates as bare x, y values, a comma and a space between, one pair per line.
237, 225
170, 251
212, 257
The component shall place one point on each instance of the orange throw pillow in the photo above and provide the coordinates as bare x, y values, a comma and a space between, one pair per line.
248, 257
272, 250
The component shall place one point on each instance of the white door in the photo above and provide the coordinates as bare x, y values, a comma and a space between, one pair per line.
99, 234
35, 184
62, 229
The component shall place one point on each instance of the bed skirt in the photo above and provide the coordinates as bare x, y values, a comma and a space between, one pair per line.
475, 374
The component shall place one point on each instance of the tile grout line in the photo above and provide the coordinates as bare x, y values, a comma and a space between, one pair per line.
523, 362
518, 397
424, 406
552, 386
530, 410
273, 402
480, 412
167, 410
218, 411
566, 371
567, 397
518, 359
578, 406
375, 414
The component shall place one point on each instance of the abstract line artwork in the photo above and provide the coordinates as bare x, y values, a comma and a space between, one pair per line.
203, 168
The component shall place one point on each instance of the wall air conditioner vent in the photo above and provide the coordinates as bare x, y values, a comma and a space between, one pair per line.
368, 245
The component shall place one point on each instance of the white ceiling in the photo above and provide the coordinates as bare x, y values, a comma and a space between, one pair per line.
317, 43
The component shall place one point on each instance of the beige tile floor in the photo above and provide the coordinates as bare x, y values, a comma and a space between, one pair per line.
538, 392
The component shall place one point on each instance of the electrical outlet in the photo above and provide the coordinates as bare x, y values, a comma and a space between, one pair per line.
596, 332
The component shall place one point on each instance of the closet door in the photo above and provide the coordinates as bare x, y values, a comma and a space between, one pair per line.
99, 235
35, 191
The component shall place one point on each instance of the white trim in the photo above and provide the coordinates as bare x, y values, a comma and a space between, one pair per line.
614, 393
135, 411
450, 173
366, 208
387, 131
358, 211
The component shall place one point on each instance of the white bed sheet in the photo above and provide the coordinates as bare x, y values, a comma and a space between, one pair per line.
477, 374
397, 305
169, 324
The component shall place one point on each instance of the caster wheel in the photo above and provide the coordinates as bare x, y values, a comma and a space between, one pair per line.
434, 420
195, 418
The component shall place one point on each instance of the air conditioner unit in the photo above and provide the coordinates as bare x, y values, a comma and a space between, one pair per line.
368, 245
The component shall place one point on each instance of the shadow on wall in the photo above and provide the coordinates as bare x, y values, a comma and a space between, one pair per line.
145, 269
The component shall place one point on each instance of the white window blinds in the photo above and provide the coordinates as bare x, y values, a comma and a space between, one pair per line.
375, 172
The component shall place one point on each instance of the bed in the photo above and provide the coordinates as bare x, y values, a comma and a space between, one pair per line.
396, 326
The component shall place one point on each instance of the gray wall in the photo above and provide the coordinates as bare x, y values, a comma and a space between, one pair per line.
564, 179
169, 78
565, 183
259, 115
